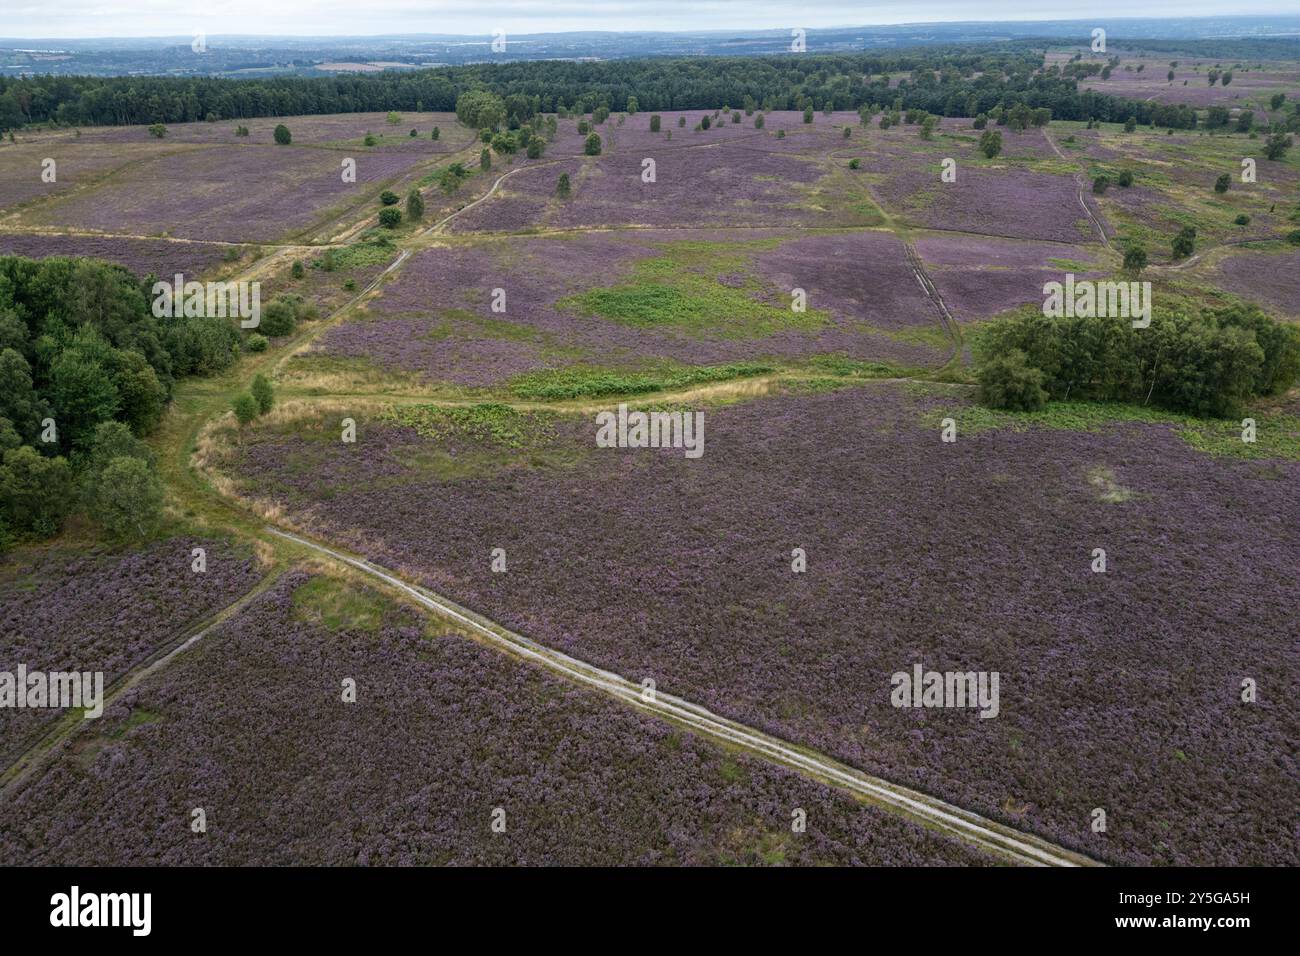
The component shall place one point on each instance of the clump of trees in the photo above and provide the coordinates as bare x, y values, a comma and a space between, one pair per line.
86, 371
1207, 364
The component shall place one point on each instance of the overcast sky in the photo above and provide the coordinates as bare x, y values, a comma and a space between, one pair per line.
135, 18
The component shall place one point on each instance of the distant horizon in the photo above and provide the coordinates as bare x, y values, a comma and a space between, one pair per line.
524, 18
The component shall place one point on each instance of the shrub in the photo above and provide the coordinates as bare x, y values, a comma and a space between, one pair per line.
263, 393
681, 121
592, 146
1222, 183
370, 139
36, 492
1242, 220
435, 133
563, 187
245, 408
1009, 382
388, 198
808, 114
1100, 184
282, 135
485, 159
758, 121
1184, 243
297, 270
1135, 259
1125, 178
158, 130
991, 143
278, 318
654, 123
256, 343
390, 218
414, 205
855, 163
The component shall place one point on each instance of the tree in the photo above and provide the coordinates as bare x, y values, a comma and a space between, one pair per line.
129, 498
263, 393
534, 150
480, 109
759, 122
1130, 124
991, 143
114, 440
141, 396
681, 122
855, 163
388, 198
1100, 184
654, 123
157, 130
82, 394
394, 118
278, 318
414, 205
1135, 259
562, 187
390, 218
1245, 120
485, 159
282, 135
1184, 243
245, 407
1010, 382
1222, 183
592, 146
632, 106
808, 114
18, 400
1125, 178
435, 133
36, 492
1276, 145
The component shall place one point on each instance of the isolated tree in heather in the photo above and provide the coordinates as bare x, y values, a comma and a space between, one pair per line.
1184, 243
282, 135
592, 147
681, 122
1125, 178
414, 205
435, 134
388, 198
758, 121
485, 159
245, 408
390, 217
129, 498
991, 143
1222, 183
158, 130
1130, 124
654, 123
632, 106
1135, 259
1276, 145
808, 114
562, 188
1100, 184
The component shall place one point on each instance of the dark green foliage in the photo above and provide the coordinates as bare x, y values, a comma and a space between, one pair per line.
654, 123
282, 135
563, 189
390, 218
1184, 243
389, 198
1222, 183
1277, 144
36, 492
128, 498
990, 143
279, 318
1135, 259
1208, 365
592, 146
1007, 381
1125, 178
1100, 184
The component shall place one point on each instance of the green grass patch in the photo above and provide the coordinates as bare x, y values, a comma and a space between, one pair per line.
581, 381
682, 289
1277, 434
490, 423
337, 606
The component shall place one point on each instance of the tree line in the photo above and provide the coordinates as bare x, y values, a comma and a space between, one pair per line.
946, 81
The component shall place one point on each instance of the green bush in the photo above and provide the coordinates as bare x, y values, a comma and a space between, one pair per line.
263, 393
389, 198
1009, 382
390, 218
414, 205
256, 343
278, 318
129, 498
282, 135
592, 146
245, 408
